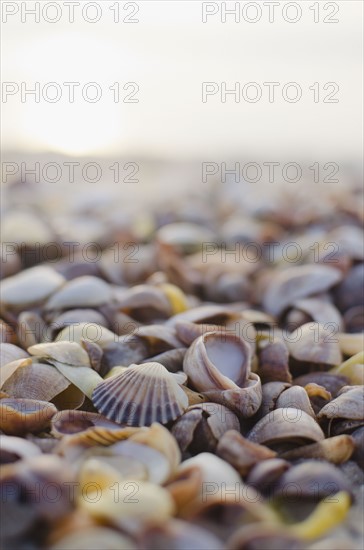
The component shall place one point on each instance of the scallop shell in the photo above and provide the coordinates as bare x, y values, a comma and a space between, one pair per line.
141, 395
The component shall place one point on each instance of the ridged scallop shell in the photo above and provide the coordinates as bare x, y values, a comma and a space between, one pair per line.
141, 395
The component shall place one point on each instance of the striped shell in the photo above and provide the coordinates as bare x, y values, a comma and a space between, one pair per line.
141, 395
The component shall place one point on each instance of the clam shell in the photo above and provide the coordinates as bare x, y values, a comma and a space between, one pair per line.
69, 422
245, 402
320, 311
286, 425
264, 475
298, 282
85, 291
141, 395
30, 287
88, 331
20, 416
273, 362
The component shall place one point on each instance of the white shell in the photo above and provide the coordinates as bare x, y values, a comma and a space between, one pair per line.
141, 395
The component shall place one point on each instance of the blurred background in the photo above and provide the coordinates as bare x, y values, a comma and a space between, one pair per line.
143, 126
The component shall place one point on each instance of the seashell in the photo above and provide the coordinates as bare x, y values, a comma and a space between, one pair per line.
334, 449
10, 353
206, 314
241, 453
20, 416
314, 344
331, 382
352, 368
16, 448
88, 331
143, 302
349, 293
315, 390
312, 479
232, 505
94, 538
295, 397
213, 470
30, 287
31, 329
156, 463
265, 475
85, 291
315, 310
7, 333
139, 505
8, 370
141, 395
217, 361
327, 515
95, 353
179, 534
83, 378
245, 402
188, 332
273, 361
76, 316
35, 381
270, 393
298, 282
159, 438
185, 486
349, 404
69, 422
175, 296
171, 359
263, 537
69, 353
351, 344
358, 438
287, 425
353, 320
201, 426
126, 351
33, 477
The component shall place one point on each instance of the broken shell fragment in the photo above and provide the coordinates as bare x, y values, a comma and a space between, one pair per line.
69, 353
202, 425
241, 453
217, 360
336, 450
352, 368
20, 416
297, 398
141, 395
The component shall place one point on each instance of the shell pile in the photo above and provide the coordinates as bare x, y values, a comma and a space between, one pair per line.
191, 398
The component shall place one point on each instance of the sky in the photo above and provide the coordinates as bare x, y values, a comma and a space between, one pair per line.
149, 79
